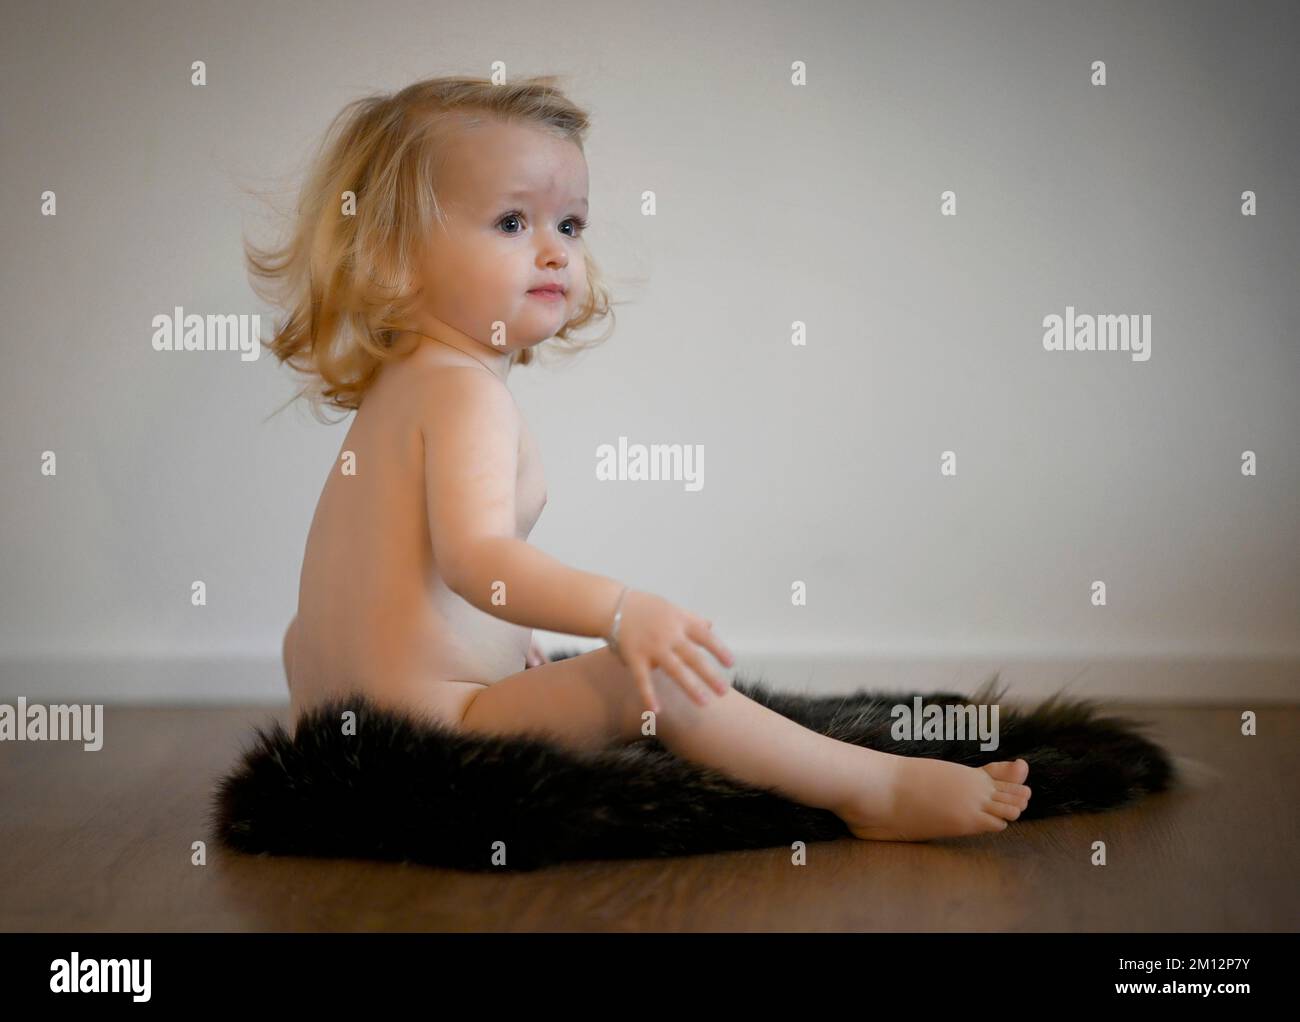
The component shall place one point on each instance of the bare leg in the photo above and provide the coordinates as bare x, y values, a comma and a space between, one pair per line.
591, 701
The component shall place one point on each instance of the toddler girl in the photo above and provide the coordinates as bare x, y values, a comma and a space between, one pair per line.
440, 238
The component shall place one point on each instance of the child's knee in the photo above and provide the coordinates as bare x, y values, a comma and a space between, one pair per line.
286, 646
675, 705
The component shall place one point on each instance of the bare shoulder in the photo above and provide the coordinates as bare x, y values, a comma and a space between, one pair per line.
427, 389
455, 393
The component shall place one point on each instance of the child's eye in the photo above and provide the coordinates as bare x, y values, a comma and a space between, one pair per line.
579, 223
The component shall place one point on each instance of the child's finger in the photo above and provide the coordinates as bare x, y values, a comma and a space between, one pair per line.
706, 638
642, 675
691, 654
674, 666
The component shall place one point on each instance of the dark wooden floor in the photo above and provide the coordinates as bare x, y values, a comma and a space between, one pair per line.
102, 841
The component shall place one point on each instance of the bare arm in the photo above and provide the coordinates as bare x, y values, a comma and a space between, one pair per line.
471, 448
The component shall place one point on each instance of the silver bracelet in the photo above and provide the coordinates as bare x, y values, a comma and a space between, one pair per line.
612, 637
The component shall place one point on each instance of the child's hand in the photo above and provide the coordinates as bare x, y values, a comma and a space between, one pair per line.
655, 633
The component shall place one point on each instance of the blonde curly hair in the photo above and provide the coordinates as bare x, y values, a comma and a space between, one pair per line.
348, 282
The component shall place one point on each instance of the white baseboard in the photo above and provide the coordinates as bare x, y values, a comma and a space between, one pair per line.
136, 680
214, 680
1183, 680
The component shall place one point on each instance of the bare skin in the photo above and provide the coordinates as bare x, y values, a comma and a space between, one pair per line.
374, 612
419, 587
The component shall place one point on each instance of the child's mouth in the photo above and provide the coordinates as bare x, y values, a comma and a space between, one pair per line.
547, 294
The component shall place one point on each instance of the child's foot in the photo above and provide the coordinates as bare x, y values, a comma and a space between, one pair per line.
911, 798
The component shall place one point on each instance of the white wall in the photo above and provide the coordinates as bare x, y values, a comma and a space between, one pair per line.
775, 203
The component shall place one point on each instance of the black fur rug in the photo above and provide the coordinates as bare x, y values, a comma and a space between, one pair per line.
410, 790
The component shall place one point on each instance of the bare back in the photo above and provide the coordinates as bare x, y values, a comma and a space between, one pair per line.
374, 614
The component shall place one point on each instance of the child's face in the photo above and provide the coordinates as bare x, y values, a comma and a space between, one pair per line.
498, 245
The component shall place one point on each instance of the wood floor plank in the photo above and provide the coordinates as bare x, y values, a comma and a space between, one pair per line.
101, 841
